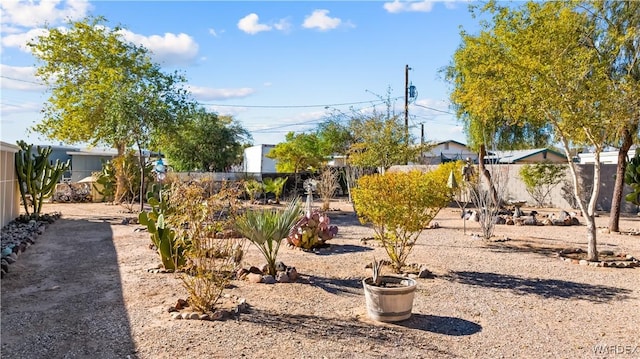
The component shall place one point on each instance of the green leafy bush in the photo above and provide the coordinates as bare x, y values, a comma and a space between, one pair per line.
400, 206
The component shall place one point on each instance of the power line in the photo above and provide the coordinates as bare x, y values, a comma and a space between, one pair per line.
434, 109
21, 80
292, 106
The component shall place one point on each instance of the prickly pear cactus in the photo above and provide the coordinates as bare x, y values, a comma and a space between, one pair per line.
37, 177
632, 178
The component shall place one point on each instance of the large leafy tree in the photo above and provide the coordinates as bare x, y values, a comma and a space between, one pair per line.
549, 72
490, 121
206, 142
616, 40
104, 89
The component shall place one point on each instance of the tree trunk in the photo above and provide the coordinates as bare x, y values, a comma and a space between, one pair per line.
592, 251
142, 165
120, 175
616, 201
487, 175
588, 210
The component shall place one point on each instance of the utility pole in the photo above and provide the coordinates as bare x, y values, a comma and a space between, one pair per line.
406, 103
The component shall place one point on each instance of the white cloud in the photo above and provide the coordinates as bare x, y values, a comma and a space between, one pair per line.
210, 94
169, 49
19, 78
20, 40
213, 32
409, 6
283, 25
39, 13
320, 20
250, 24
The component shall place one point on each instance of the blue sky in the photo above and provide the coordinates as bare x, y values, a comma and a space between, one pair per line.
274, 66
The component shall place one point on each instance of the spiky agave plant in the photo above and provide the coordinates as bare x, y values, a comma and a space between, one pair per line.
267, 228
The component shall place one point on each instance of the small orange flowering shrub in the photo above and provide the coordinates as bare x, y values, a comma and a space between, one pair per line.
400, 206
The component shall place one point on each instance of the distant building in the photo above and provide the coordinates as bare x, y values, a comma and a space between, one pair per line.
448, 151
255, 159
525, 156
605, 156
85, 162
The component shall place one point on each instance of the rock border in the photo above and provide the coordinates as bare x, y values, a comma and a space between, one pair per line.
626, 261
20, 234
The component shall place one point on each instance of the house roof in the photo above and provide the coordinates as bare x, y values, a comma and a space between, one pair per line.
518, 155
451, 141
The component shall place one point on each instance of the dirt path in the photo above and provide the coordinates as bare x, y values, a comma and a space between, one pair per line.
65, 295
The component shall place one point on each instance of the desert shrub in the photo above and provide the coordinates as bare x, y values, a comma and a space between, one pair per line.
211, 256
327, 185
254, 189
197, 242
400, 206
540, 179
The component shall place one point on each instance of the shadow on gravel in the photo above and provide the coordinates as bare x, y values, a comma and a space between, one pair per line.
531, 245
346, 332
343, 218
547, 288
335, 285
441, 325
341, 249
63, 298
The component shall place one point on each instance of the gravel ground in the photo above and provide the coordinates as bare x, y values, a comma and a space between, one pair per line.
83, 291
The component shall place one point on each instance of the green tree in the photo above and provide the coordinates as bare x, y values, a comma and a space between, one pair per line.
206, 142
379, 141
299, 152
549, 72
616, 40
489, 120
105, 90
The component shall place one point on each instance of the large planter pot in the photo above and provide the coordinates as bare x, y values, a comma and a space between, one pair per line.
392, 303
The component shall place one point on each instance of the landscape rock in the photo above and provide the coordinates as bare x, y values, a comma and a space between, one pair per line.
282, 277
292, 273
254, 278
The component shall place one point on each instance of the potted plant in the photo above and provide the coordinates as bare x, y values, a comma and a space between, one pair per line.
388, 298
399, 206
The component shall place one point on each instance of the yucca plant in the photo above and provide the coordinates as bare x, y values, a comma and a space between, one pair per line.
275, 186
267, 228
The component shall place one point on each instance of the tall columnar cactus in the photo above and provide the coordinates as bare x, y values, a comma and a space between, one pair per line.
37, 177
